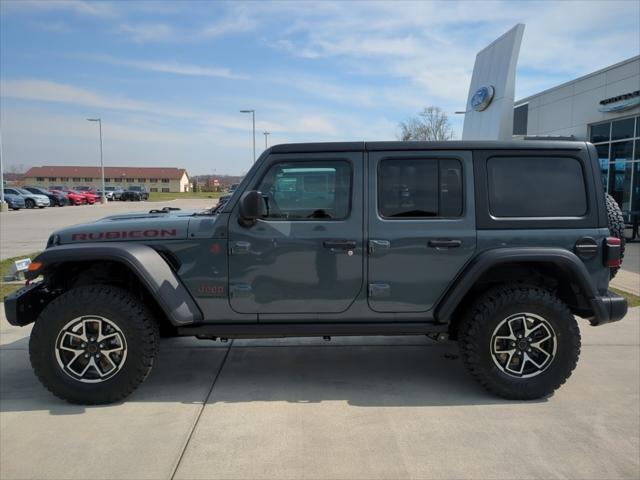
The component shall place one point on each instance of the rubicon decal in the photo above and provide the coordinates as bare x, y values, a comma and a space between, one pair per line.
125, 234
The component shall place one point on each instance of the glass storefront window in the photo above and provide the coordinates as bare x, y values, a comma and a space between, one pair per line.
635, 192
622, 129
618, 146
603, 157
620, 184
600, 133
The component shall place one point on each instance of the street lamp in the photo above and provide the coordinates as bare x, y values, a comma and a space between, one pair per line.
265, 139
103, 199
253, 117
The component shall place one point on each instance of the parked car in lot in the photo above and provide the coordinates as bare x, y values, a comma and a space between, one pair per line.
117, 192
85, 188
15, 202
498, 245
73, 198
90, 197
31, 200
110, 193
55, 199
135, 193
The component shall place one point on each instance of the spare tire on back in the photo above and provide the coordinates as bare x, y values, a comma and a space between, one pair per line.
615, 222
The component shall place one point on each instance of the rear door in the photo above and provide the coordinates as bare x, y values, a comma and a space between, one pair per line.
421, 226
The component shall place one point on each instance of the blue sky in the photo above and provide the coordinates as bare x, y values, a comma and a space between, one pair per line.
169, 78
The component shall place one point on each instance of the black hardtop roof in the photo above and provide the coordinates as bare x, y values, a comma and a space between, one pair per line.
450, 145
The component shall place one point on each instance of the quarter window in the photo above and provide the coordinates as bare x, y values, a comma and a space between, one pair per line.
307, 190
420, 188
536, 187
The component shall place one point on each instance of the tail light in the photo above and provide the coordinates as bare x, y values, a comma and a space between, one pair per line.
613, 252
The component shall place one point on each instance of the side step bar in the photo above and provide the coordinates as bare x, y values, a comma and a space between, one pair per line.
276, 330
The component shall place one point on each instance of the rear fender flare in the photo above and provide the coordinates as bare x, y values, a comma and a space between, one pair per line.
500, 256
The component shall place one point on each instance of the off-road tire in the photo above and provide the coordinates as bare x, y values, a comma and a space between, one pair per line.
131, 317
29, 203
615, 222
485, 315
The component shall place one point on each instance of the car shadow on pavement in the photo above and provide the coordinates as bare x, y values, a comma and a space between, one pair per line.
365, 374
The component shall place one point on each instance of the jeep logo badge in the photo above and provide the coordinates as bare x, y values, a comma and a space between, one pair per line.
482, 98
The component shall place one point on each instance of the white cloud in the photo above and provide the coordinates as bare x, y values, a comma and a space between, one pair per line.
94, 9
176, 68
148, 32
238, 21
54, 27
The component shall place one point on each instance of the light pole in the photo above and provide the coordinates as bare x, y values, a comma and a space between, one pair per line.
103, 199
265, 139
253, 117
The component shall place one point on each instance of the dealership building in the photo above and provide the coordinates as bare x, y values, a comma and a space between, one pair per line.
603, 108
154, 179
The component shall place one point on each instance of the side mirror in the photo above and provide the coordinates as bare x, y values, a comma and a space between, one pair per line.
252, 207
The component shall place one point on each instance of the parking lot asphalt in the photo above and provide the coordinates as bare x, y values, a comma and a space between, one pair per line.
387, 407
26, 231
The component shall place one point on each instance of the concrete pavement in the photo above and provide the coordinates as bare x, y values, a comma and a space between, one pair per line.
303, 408
27, 231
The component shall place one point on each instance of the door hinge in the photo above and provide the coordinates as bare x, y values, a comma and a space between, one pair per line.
379, 290
240, 290
238, 248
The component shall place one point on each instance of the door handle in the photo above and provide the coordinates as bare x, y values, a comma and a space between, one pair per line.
340, 244
445, 243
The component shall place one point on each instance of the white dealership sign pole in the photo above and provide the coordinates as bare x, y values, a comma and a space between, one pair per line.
489, 110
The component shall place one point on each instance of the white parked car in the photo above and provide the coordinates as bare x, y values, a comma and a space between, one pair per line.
31, 200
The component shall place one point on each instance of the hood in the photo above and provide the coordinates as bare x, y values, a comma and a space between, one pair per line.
159, 225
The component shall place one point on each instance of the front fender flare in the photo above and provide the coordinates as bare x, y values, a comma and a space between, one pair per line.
147, 264
499, 256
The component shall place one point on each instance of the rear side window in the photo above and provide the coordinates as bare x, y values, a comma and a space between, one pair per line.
420, 188
536, 187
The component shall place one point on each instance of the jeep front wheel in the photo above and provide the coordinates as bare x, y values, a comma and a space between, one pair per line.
520, 343
93, 345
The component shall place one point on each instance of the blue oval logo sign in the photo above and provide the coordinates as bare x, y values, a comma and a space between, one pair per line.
482, 98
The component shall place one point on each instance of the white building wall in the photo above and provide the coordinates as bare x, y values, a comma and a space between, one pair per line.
570, 108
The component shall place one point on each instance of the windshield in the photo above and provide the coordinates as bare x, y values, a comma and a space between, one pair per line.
23, 191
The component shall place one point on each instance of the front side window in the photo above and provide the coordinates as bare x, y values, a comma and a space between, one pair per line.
307, 190
420, 188
536, 187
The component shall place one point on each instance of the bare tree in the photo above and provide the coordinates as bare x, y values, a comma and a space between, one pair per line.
430, 124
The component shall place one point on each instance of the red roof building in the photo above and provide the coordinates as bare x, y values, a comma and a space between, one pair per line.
156, 179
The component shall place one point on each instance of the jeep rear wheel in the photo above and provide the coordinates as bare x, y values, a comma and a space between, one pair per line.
520, 343
615, 222
93, 345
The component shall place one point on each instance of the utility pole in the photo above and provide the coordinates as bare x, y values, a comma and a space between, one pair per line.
103, 199
265, 139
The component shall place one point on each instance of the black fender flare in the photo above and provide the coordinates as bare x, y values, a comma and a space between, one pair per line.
146, 263
484, 261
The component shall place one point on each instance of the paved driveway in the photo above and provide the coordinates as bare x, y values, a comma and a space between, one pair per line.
27, 231
351, 408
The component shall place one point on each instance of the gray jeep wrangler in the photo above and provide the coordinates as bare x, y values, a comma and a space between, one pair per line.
497, 245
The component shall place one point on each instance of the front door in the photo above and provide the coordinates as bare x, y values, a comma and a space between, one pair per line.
306, 254
421, 226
